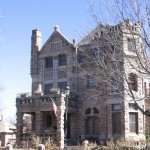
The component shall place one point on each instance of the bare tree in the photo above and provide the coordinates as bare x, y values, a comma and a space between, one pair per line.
118, 54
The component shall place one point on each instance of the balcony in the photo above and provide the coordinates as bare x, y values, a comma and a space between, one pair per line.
28, 102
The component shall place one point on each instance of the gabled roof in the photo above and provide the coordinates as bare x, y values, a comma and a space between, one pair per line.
55, 32
89, 37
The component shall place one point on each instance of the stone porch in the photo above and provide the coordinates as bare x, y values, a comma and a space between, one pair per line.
44, 123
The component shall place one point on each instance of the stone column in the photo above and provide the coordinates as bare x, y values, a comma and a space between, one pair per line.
38, 122
109, 121
55, 71
60, 121
19, 127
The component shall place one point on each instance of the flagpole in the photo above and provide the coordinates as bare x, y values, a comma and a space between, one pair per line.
54, 107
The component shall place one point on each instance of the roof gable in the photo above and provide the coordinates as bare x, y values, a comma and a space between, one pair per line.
55, 42
89, 37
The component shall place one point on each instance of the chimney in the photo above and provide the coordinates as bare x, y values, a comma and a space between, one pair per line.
74, 42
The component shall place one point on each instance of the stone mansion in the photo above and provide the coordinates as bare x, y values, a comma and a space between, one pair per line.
106, 85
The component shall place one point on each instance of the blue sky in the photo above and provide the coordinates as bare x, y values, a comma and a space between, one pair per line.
20, 17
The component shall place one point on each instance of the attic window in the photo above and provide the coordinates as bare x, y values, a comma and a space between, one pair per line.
55, 46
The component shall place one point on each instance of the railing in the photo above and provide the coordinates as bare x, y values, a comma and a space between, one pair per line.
29, 99
44, 136
19, 95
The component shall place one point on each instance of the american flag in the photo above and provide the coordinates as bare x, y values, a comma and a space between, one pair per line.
54, 107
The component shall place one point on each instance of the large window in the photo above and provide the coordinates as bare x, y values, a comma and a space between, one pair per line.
92, 125
48, 62
47, 88
91, 121
116, 122
62, 60
133, 122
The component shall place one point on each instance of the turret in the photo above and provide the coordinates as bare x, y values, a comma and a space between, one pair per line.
36, 43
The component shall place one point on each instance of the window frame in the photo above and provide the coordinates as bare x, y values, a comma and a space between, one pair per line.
134, 123
81, 57
133, 82
91, 121
49, 62
62, 60
91, 81
46, 87
131, 43
63, 84
96, 54
116, 122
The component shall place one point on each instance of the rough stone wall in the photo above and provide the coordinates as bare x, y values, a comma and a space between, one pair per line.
88, 97
55, 46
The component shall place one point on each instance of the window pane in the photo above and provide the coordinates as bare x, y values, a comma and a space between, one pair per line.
62, 60
116, 123
95, 111
116, 107
81, 57
91, 81
62, 86
48, 120
89, 125
133, 122
131, 44
95, 125
88, 111
92, 125
49, 62
133, 81
47, 88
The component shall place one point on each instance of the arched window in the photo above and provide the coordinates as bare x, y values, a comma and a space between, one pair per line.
88, 111
91, 121
132, 81
95, 111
